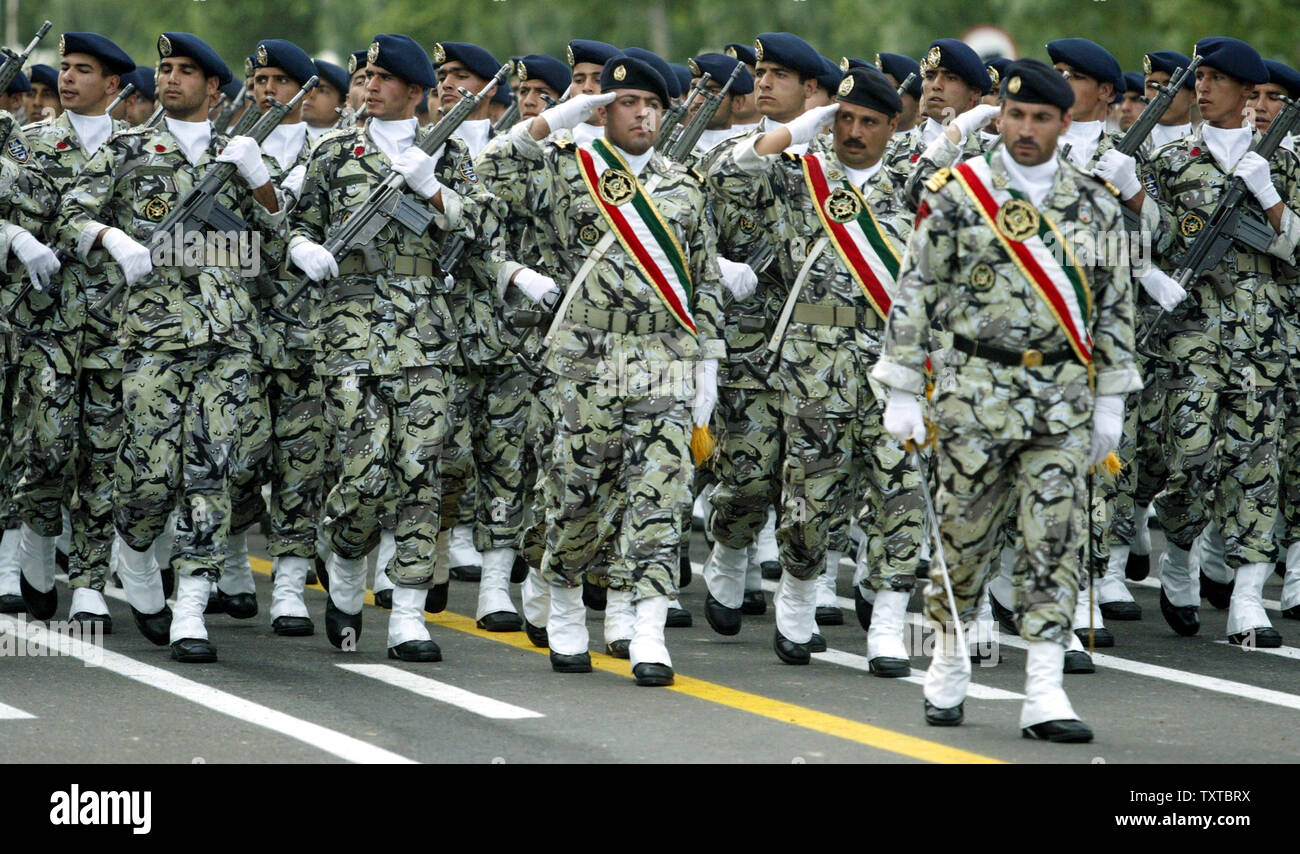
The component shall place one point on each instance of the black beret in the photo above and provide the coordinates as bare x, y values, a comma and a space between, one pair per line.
628, 72
401, 56
548, 69
286, 56
899, 67
356, 61
684, 76
789, 51
1233, 57
659, 64
870, 88
1285, 76
720, 66
830, 77
195, 48
1089, 58
960, 59
142, 77
1036, 82
1168, 61
1135, 83
20, 85
46, 76
743, 52
473, 57
332, 74
995, 68
113, 58
589, 50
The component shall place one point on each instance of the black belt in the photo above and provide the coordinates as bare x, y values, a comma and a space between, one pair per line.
1011, 358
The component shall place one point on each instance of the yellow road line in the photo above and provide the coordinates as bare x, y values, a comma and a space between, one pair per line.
756, 704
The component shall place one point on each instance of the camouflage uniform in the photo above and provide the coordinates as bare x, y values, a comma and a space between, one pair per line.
921, 167
1008, 435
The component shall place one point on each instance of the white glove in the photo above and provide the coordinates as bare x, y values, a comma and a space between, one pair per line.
292, 181
36, 257
246, 154
975, 118
1120, 170
418, 169
135, 260
1253, 169
314, 260
806, 128
575, 111
706, 391
535, 284
903, 416
1107, 424
739, 278
1161, 288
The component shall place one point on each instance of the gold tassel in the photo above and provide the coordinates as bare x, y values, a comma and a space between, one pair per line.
1111, 465
703, 445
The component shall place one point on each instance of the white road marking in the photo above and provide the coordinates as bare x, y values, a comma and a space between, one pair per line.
1284, 651
9, 713
328, 740
442, 692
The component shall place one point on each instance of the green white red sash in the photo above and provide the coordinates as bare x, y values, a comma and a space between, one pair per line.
647, 239
860, 242
1062, 286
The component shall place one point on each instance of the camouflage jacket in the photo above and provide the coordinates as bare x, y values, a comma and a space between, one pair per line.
27, 200
945, 154
957, 276
280, 336
543, 181
1209, 341
381, 322
131, 183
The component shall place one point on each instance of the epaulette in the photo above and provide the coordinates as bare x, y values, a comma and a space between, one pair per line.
936, 181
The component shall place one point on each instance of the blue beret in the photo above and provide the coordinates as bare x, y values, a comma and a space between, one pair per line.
1088, 58
20, 85
847, 63
1168, 61
830, 77
286, 56
1036, 82
789, 51
720, 67
957, 57
628, 72
332, 74
1135, 83
1233, 57
112, 57
548, 69
587, 50
232, 89
870, 88
401, 56
1285, 76
743, 52
995, 68
899, 67
46, 76
142, 77
473, 57
195, 48
356, 61
659, 64
684, 76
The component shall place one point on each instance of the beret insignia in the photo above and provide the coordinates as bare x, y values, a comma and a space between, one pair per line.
620, 72
164, 46
1146, 64
352, 65
758, 50
262, 57
63, 48
439, 55
846, 86
569, 51
694, 67
1013, 85
372, 54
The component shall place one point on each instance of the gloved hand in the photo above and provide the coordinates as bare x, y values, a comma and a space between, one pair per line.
974, 119
739, 278
314, 260
292, 181
1107, 424
36, 257
537, 286
1253, 169
903, 416
135, 260
418, 169
575, 111
1163, 289
806, 127
246, 154
1120, 170
706, 391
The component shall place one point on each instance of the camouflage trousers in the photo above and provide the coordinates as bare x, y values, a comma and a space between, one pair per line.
1149, 458
180, 435
8, 451
538, 436
1042, 480
619, 484
47, 439
1289, 447
1223, 468
297, 472
459, 480
501, 398
90, 508
1112, 496
389, 435
747, 468
250, 467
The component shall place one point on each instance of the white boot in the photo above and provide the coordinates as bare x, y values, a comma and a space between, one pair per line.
620, 618
1291, 583
406, 620
885, 637
796, 608
494, 587
536, 596
187, 614
141, 581
999, 586
647, 645
1246, 612
286, 592
461, 551
1210, 553
753, 574
702, 508
86, 600
237, 572
1181, 586
948, 675
162, 547
567, 624
985, 634
1142, 534
36, 559
1045, 698
9, 563
826, 590
767, 550
383, 557
347, 582
1083, 608
1112, 588
724, 574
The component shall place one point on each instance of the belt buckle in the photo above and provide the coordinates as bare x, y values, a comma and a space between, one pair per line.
1031, 358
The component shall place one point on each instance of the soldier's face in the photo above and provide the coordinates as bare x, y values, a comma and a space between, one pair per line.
11, 103
586, 79
319, 105
183, 88
1091, 98
819, 98
632, 120
452, 75
1129, 110
357, 90
1266, 104
781, 94
530, 94
139, 109
861, 135
1180, 109
389, 97
271, 82
722, 118
945, 95
83, 87
44, 104
1029, 131
1222, 99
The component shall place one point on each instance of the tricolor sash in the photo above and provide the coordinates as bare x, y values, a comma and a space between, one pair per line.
1062, 286
633, 218
853, 230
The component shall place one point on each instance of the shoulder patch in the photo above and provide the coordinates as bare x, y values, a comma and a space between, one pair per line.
17, 150
936, 182
1150, 184
467, 170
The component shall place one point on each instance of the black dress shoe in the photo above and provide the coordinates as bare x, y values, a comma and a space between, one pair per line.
723, 620
619, 648
322, 577
936, 716
157, 628
88, 621
341, 626
384, 599
1078, 661
216, 603
416, 650
1265, 637
1122, 611
1061, 732
12, 603
435, 601
1138, 567
653, 675
829, 615
889, 667
817, 643
168, 576
771, 570
1184, 620
194, 651
862, 608
754, 604
789, 651
1292, 613
293, 627
466, 573
536, 635
1217, 593
593, 596
241, 606
41, 606
687, 572
1005, 616
678, 618
518, 570
580, 663
1101, 637
500, 621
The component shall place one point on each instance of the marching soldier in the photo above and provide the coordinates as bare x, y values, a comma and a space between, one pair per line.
744, 111
324, 104
539, 75
586, 59
137, 108
1097, 81
11, 101
1159, 66
357, 80
719, 68
1134, 93
461, 65
43, 101
899, 68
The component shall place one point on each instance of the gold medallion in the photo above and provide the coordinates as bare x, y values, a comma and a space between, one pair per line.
372, 55
1146, 64
569, 51
844, 64
758, 50
439, 55
156, 208
620, 72
982, 277
164, 46
1018, 220
731, 52
263, 58
352, 64
589, 234
1013, 85
748, 225
694, 67
846, 86
1191, 224
843, 206
933, 58
616, 187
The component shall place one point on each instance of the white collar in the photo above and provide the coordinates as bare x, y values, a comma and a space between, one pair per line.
284, 143
193, 137
1083, 139
475, 134
315, 132
1034, 181
1227, 145
637, 162
768, 124
92, 131
930, 131
1164, 134
584, 133
860, 177
710, 138
393, 137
